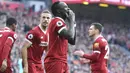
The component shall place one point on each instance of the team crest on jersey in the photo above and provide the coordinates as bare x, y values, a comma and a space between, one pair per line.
59, 23
96, 45
30, 36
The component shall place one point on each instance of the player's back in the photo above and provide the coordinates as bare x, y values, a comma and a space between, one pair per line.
4, 34
103, 48
39, 42
57, 49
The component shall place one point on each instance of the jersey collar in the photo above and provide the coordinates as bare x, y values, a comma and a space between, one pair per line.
97, 37
44, 31
7, 28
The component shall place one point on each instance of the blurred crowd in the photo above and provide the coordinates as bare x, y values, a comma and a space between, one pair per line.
118, 36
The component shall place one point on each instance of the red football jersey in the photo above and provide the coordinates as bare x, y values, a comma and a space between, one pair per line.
100, 46
5, 34
58, 46
39, 41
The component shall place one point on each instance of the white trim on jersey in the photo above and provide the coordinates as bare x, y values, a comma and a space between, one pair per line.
11, 39
43, 44
28, 41
48, 39
61, 29
44, 31
97, 52
7, 27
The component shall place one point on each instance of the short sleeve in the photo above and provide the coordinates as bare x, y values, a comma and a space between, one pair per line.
103, 43
60, 25
13, 37
96, 47
30, 37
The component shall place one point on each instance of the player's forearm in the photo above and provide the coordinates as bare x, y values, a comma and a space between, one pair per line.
68, 33
71, 24
24, 56
71, 29
73, 40
92, 57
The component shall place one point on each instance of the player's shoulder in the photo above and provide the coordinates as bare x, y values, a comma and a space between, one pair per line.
13, 34
35, 28
101, 40
57, 19
34, 32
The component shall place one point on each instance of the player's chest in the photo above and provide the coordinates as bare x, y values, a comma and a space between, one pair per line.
42, 39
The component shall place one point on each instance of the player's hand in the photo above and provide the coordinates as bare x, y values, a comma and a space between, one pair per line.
25, 70
71, 16
83, 60
79, 53
3, 66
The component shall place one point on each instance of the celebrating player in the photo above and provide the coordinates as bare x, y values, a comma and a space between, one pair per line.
60, 34
7, 39
35, 44
98, 59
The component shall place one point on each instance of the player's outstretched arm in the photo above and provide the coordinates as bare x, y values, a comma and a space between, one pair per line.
70, 32
94, 56
73, 40
24, 56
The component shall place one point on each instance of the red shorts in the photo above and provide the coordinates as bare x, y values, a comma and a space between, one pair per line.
56, 67
8, 70
35, 68
100, 71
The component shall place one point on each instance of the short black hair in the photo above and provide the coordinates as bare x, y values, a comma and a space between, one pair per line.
54, 8
98, 26
11, 21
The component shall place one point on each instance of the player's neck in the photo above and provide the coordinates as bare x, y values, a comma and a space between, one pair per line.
43, 27
96, 36
60, 16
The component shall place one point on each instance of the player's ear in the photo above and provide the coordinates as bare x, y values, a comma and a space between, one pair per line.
97, 31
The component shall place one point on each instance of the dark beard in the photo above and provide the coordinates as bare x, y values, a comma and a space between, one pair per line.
91, 36
64, 16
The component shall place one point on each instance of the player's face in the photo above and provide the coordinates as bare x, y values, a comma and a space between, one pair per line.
45, 19
64, 9
14, 27
92, 31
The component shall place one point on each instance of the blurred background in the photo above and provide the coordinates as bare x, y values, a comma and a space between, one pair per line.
114, 15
